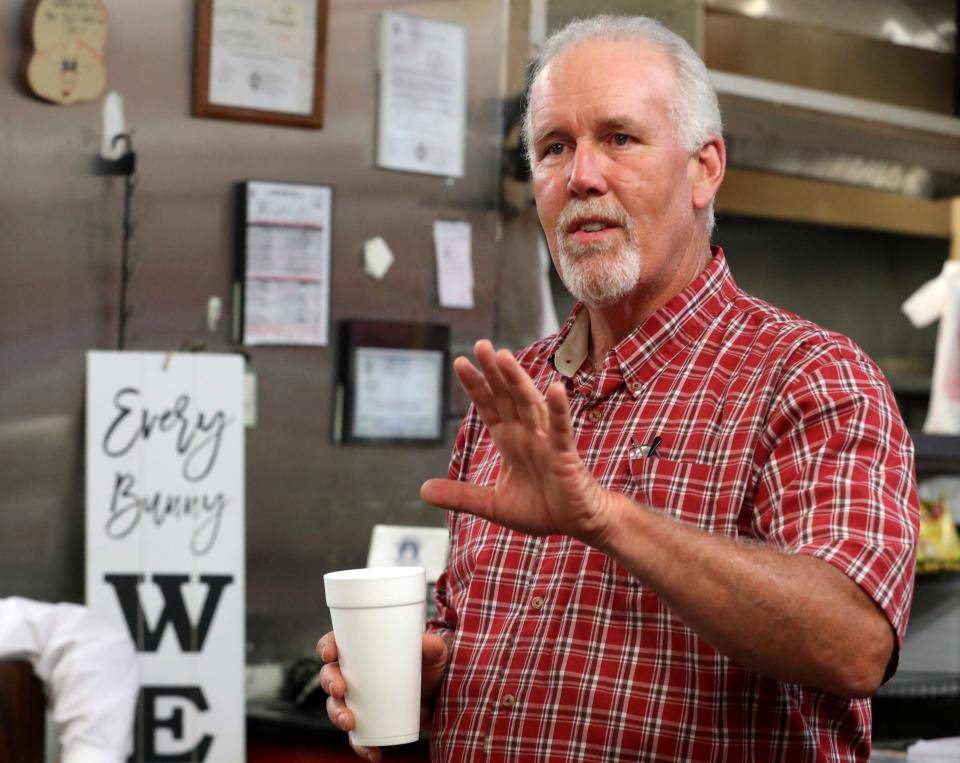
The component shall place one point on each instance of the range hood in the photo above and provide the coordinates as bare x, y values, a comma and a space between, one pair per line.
799, 131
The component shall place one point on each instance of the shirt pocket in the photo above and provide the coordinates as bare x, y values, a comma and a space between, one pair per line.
685, 490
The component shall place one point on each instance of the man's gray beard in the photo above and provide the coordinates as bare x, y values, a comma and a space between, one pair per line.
596, 275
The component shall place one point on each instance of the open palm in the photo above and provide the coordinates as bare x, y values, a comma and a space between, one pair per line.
543, 487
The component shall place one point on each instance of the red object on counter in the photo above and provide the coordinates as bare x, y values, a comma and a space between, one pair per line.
329, 752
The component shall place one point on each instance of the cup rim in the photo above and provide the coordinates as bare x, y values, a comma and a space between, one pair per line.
374, 573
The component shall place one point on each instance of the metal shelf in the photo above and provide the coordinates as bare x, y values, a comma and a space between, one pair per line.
913, 684
813, 133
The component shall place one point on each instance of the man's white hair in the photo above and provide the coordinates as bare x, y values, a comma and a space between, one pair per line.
695, 112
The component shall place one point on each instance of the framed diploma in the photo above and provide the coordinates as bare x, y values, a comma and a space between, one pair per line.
261, 61
392, 381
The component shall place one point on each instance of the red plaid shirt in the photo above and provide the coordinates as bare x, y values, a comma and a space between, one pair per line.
773, 430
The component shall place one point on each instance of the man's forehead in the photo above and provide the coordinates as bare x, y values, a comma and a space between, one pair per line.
623, 71
638, 56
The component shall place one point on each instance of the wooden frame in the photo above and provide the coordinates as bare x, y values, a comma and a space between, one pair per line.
203, 106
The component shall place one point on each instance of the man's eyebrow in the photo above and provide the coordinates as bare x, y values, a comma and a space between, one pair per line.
619, 123
549, 134
608, 124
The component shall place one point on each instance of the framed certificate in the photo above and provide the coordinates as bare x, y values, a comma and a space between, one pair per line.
261, 61
392, 381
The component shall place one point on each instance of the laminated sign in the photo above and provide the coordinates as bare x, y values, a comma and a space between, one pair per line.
164, 541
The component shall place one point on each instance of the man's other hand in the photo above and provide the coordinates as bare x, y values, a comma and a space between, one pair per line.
435, 655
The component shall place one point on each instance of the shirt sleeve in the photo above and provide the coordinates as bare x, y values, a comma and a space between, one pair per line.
838, 480
81, 753
89, 669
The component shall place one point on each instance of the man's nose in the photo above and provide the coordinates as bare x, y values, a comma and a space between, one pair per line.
586, 172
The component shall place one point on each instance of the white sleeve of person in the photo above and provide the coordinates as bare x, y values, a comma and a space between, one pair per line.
89, 671
940, 298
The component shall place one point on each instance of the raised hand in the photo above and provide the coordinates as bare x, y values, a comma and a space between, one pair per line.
543, 487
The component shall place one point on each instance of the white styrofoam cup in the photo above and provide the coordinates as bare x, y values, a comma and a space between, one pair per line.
378, 618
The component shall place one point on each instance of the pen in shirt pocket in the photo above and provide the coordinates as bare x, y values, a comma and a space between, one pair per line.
645, 451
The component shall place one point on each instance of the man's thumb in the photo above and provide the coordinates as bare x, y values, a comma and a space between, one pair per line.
436, 654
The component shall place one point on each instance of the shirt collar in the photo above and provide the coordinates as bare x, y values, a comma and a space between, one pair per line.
664, 333
574, 342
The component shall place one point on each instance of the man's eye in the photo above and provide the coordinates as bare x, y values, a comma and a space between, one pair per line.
555, 148
621, 139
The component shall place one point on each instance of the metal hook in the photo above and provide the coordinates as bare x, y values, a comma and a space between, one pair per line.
127, 140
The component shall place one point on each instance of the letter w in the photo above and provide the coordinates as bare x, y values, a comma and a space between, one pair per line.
174, 612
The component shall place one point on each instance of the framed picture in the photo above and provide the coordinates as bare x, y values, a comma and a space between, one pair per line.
392, 382
260, 62
282, 270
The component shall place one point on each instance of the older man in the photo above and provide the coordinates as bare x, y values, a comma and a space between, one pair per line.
683, 528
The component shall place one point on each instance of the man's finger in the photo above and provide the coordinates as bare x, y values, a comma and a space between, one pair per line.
339, 715
434, 658
331, 680
372, 754
477, 389
561, 427
458, 496
327, 647
487, 360
527, 398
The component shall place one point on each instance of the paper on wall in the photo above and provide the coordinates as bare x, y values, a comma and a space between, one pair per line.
377, 257
422, 96
454, 263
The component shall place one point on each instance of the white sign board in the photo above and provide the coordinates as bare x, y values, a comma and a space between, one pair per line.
165, 541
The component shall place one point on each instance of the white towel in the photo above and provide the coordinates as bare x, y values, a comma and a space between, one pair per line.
940, 298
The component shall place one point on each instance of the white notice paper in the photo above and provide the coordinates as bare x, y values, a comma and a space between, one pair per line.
454, 263
422, 98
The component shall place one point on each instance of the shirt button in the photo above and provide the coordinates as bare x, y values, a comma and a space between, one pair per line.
595, 415
487, 744
635, 386
537, 602
508, 701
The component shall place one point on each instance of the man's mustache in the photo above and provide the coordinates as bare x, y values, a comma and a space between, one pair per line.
592, 208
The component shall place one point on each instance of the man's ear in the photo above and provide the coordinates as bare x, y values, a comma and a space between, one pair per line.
706, 170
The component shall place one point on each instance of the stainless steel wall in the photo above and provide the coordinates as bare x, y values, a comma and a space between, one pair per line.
310, 504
